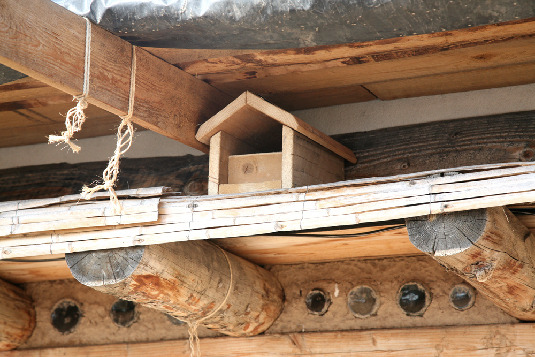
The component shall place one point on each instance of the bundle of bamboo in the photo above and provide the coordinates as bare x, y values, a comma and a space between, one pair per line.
349, 202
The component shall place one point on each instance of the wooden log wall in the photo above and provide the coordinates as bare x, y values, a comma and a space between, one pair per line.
17, 316
489, 248
384, 152
192, 281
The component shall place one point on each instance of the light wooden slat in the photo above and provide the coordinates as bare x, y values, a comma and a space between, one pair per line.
47, 42
344, 203
469, 341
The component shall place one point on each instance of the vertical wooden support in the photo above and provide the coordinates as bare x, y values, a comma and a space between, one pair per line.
222, 145
190, 280
490, 248
17, 316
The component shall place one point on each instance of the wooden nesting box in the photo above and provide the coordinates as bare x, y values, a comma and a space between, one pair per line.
256, 146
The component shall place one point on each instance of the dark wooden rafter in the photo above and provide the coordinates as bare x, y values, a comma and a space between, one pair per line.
17, 316
47, 42
189, 280
489, 248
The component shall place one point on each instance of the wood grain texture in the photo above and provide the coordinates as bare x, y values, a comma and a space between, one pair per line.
390, 68
17, 316
437, 145
490, 249
29, 272
305, 162
188, 280
51, 49
452, 341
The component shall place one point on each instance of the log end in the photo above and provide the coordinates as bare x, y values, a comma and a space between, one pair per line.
447, 234
104, 267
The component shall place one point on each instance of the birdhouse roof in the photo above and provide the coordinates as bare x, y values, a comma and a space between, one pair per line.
251, 119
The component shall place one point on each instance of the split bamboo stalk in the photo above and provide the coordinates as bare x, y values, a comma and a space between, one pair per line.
342, 203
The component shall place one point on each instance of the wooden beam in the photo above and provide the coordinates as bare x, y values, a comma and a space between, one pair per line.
47, 42
390, 68
188, 280
468, 341
489, 248
17, 316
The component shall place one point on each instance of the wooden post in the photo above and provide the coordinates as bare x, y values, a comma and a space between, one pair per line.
489, 248
17, 316
188, 280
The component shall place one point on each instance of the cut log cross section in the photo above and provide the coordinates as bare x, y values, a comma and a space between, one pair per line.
192, 281
489, 248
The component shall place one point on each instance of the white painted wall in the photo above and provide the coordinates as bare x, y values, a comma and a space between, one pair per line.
331, 120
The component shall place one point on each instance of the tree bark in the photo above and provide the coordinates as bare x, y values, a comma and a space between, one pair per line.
489, 248
17, 316
189, 280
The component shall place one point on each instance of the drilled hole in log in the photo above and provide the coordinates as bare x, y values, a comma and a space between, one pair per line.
123, 313
462, 297
317, 302
362, 301
413, 299
65, 316
174, 320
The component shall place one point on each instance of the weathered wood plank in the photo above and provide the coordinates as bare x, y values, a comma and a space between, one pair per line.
47, 42
272, 74
469, 341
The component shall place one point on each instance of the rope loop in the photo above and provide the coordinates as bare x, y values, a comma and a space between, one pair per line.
76, 117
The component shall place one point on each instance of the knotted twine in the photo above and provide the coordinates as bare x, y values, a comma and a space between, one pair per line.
194, 342
75, 116
125, 135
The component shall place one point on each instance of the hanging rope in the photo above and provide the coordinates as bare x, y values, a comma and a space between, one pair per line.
75, 116
194, 342
125, 135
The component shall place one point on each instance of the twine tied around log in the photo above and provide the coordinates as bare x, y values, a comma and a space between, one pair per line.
75, 116
125, 135
194, 342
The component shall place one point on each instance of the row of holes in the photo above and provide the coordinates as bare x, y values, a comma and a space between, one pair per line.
362, 301
67, 314
412, 298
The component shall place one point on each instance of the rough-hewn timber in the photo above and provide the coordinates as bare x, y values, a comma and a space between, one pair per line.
189, 280
47, 42
489, 248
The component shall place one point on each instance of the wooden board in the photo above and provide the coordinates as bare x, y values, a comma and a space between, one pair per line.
249, 117
305, 162
468, 341
414, 64
254, 167
47, 42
